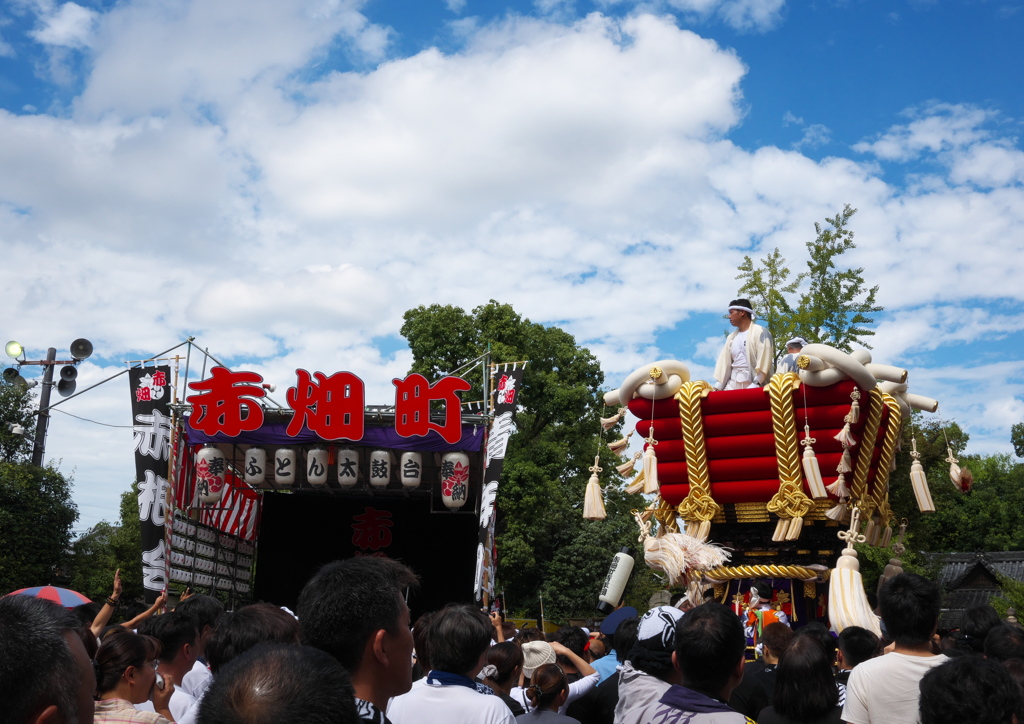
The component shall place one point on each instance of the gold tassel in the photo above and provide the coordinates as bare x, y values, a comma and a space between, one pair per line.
593, 501
812, 472
872, 532
650, 471
627, 467
919, 482
621, 444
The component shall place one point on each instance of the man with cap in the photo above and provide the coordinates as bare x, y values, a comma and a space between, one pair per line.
793, 347
607, 665
748, 354
648, 671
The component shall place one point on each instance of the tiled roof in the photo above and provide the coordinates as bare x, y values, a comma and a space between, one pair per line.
964, 588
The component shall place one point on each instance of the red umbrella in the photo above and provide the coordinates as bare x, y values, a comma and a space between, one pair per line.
64, 596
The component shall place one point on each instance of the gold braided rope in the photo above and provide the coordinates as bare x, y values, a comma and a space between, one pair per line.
698, 504
859, 489
731, 573
790, 501
665, 514
880, 494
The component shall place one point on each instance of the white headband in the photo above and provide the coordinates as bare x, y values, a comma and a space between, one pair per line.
742, 309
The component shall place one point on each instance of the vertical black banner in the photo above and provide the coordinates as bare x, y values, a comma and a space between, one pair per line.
507, 383
151, 397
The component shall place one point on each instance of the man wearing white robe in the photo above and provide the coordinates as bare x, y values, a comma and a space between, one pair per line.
749, 353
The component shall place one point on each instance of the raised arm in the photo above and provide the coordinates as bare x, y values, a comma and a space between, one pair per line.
109, 605
157, 605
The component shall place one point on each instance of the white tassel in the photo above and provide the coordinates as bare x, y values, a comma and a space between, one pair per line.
593, 500
609, 422
886, 537
854, 406
838, 488
892, 464
955, 473
796, 525
627, 467
895, 565
838, 512
846, 464
678, 556
847, 603
650, 471
812, 472
620, 445
919, 482
637, 484
845, 436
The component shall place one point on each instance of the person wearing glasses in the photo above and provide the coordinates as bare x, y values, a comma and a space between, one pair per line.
126, 675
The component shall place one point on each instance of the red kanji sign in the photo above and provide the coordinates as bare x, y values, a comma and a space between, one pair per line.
372, 529
331, 407
225, 396
412, 406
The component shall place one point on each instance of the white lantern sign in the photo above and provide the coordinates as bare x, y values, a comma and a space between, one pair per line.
316, 467
411, 469
348, 467
284, 466
210, 475
380, 468
455, 479
255, 466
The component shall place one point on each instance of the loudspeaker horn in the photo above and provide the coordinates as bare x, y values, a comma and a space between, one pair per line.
11, 374
66, 388
81, 349
68, 372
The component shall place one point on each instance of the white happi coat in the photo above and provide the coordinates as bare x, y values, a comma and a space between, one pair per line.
760, 356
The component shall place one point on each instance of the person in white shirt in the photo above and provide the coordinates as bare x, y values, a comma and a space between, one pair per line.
884, 690
177, 634
458, 639
793, 347
749, 352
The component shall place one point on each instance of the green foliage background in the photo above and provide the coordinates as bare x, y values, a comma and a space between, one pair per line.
545, 547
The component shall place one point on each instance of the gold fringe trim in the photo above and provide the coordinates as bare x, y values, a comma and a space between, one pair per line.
790, 502
698, 504
731, 573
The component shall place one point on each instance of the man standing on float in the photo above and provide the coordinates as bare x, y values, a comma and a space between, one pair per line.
749, 353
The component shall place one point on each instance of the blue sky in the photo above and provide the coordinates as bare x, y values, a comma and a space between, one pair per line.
284, 178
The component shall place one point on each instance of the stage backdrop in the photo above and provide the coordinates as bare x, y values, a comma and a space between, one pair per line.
299, 533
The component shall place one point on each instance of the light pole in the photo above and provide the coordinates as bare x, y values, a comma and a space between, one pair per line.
80, 350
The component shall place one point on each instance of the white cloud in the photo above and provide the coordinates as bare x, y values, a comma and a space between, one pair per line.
937, 127
69, 26
208, 182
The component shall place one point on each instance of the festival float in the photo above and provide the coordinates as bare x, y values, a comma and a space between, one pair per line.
772, 483
246, 497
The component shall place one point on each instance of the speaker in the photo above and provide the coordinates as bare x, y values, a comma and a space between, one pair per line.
68, 372
11, 374
66, 388
81, 349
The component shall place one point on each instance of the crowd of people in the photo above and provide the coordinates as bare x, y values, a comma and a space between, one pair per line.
351, 653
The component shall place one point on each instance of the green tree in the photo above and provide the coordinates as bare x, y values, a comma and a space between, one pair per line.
36, 515
1017, 438
545, 546
105, 548
17, 407
833, 304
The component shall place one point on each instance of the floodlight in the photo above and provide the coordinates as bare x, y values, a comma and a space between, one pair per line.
14, 349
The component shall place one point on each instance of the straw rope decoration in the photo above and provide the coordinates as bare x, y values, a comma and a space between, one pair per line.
698, 508
790, 503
